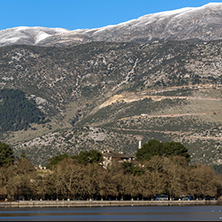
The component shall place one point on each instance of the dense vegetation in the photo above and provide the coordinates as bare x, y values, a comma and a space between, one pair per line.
84, 157
156, 148
73, 178
16, 111
6, 154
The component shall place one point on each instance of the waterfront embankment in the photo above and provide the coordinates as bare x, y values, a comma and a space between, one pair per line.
76, 203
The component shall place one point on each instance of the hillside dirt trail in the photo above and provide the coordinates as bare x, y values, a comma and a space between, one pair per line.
179, 133
170, 115
129, 97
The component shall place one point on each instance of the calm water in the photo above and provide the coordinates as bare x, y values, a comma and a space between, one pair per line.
162, 213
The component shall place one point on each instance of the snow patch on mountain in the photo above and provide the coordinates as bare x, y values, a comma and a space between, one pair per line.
9, 40
28, 35
151, 18
187, 23
41, 36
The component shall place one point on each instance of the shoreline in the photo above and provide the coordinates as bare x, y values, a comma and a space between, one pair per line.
104, 203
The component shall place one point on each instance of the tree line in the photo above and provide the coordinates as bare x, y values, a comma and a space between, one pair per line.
83, 177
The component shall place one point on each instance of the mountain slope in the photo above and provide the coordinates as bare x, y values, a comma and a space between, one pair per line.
58, 76
101, 95
204, 23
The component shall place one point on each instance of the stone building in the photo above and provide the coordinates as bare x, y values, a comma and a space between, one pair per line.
109, 157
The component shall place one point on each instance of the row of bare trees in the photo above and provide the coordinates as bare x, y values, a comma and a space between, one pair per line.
69, 179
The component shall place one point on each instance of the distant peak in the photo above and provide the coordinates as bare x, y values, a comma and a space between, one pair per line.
213, 5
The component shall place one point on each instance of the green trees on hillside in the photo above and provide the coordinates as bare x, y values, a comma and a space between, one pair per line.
52, 162
91, 156
84, 157
6, 154
16, 111
156, 148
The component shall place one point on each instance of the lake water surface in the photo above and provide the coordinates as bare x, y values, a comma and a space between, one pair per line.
158, 213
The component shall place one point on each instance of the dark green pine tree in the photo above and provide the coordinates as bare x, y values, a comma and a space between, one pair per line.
6, 154
156, 148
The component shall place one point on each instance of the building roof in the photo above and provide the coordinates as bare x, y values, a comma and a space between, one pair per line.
117, 155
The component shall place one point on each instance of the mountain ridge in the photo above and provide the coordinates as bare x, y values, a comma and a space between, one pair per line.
204, 23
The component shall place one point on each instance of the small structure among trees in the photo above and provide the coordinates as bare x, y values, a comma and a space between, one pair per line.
109, 157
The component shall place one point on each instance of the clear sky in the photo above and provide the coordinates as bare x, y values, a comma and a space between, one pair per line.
81, 14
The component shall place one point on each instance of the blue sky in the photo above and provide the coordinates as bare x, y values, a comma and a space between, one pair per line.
81, 14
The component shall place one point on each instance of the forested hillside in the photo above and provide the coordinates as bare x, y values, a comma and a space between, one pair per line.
17, 112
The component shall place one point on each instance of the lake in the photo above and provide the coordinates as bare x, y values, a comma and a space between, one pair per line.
158, 213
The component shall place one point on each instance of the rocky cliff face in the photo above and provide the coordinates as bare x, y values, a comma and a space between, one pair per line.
204, 23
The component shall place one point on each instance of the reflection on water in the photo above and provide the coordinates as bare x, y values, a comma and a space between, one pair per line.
160, 213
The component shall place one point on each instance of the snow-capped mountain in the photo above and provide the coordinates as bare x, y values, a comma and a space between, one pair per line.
28, 35
203, 23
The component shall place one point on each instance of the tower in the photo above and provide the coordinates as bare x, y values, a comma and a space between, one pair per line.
140, 142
